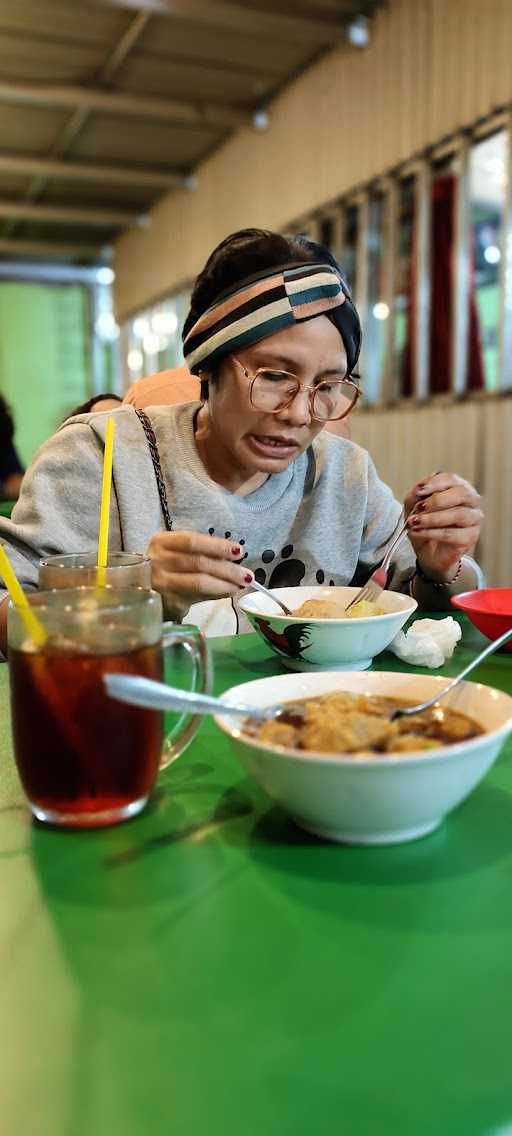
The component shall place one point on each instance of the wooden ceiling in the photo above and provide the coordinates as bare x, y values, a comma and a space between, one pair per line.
107, 104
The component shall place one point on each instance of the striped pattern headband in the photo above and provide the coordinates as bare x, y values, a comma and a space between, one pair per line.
264, 304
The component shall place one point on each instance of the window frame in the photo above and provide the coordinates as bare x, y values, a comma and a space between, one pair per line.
421, 167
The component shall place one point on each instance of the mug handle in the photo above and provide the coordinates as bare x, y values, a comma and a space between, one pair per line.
186, 727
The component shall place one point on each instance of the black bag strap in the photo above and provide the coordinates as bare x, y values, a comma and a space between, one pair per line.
155, 458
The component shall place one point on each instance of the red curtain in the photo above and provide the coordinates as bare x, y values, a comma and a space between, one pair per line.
441, 300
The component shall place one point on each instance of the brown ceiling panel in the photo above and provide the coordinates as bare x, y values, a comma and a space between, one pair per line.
62, 20
335, 11
215, 83
46, 60
61, 192
30, 129
109, 138
68, 234
12, 186
187, 41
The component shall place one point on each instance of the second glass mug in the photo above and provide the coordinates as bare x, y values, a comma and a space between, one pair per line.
79, 569
84, 759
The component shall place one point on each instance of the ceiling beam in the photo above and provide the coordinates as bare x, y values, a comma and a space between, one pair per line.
80, 171
52, 250
290, 27
123, 47
116, 102
32, 211
68, 134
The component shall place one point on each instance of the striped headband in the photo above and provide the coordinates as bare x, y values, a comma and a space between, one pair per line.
266, 303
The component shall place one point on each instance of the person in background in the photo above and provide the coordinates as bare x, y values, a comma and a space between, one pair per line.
11, 469
246, 483
105, 401
165, 388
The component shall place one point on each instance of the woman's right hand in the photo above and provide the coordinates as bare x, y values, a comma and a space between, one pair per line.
187, 567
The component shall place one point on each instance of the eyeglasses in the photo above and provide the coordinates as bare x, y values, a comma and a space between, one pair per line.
273, 390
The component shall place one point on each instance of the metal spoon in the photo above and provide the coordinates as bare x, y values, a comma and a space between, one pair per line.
407, 711
271, 596
139, 691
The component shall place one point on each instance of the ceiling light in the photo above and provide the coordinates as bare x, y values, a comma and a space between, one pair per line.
260, 120
140, 327
164, 323
106, 327
492, 254
151, 343
135, 359
380, 311
105, 276
358, 32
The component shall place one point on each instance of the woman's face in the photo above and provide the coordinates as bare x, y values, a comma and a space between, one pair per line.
257, 441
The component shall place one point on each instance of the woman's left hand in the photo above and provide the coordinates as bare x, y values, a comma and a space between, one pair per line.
446, 523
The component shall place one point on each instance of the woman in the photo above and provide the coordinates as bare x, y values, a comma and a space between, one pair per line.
166, 388
247, 481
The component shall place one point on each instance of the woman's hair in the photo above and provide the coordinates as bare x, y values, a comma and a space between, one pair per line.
86, 407
246, 253
6, 424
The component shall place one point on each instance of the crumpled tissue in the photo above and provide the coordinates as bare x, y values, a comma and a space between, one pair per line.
428, 643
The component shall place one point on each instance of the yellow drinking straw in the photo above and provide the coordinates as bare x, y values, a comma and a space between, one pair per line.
32, 623
105, 501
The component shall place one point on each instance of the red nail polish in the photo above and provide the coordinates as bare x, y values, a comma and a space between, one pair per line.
249, 578
420, 507
416, 522
236, 550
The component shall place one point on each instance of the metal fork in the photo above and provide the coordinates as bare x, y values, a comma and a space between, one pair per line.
379, 578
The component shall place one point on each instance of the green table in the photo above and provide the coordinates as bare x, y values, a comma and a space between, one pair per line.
6, 508
210, 969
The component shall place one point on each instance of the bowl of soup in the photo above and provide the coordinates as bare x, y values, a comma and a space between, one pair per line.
321, 634
368, 782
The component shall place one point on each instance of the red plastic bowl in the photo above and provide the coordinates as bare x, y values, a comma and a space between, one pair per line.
490, 609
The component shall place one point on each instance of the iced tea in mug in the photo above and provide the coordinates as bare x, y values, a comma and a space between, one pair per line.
84, 759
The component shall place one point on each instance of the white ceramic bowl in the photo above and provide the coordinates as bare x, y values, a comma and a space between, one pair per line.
305, 644
371, 800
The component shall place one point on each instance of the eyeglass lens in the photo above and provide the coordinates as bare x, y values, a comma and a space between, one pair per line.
273, 391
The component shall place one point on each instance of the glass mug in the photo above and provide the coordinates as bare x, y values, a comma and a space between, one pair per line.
124, 570
85, 759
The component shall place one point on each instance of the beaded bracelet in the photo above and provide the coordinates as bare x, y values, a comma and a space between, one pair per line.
437, 583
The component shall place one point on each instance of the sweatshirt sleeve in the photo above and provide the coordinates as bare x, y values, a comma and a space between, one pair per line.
58, 508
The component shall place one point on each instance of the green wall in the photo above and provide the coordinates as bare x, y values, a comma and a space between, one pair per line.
44, 357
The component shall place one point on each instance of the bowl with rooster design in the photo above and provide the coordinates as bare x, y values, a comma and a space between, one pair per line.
305, 643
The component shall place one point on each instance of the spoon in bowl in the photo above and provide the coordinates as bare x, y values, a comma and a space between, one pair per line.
271, 596
494, 646
138, 691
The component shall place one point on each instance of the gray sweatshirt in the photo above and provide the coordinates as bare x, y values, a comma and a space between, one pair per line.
325, 519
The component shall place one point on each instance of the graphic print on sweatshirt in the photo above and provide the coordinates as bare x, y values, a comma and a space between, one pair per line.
229, 536
288, 572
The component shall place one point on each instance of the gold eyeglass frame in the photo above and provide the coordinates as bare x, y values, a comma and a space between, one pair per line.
300, 387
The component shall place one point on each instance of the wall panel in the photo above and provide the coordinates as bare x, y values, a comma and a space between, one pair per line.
497, 477
473, 438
